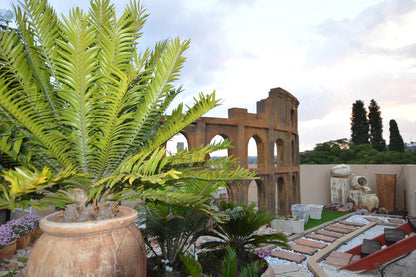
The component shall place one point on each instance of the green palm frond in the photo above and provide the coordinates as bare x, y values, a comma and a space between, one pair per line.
76, 96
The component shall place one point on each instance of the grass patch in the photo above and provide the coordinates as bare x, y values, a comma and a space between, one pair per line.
326, 216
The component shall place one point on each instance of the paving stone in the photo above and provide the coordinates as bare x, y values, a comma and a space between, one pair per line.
355, 224
355, 258
374, 219
303, 249
352, 228
396, 220
293, 257
330, 234
338, 259
310, 243
290, 270
338, 230
321, 237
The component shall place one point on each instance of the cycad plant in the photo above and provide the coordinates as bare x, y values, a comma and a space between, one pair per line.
240, 232
81, 107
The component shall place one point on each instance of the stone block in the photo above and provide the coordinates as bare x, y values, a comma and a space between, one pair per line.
301, 211
315, 211
339, 190
288, 226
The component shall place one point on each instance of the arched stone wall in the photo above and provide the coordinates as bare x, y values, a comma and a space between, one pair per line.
274, 123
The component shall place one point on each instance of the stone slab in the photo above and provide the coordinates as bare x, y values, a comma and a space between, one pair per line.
396, 220
330, 234
355, 224
374, 219
338, 259
290, 270
320, 237
348, 227
310, 243
338, 230
293, 257
303, 249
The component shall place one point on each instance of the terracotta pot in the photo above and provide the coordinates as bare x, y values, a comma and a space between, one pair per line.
35, 234
112, 247
23, 241
8, 251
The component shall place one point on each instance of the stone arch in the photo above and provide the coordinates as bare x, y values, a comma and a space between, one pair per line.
280, 189
293, 151
260, 150
177, 142
280, 152
271, 126
253, 195
221, 153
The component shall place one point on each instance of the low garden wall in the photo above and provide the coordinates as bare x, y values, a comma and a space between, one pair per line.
316, 189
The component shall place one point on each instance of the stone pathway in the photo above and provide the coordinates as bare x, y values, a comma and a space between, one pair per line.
308, 244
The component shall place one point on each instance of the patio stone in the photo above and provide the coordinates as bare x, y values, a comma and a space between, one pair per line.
288, 256
310, 243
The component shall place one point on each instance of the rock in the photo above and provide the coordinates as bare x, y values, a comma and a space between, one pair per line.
359, 182
339, 190
362, 211
341, 170
370, 201
301, 211
382, 210
343, 209
13, 265
350, 206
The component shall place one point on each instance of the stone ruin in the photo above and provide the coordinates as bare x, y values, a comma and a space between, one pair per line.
351, 193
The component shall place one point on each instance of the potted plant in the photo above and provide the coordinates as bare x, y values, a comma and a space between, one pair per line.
7, 242
240, 233
83, 114
23, 228
288, 224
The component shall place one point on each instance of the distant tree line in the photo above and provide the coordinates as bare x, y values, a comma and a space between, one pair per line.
344, 152
369, 130
366, 146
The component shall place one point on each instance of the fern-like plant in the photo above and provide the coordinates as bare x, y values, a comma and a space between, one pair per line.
240, 231
81, 107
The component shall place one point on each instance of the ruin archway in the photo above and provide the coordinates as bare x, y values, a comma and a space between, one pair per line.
273, 127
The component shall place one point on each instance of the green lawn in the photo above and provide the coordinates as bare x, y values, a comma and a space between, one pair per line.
326, 216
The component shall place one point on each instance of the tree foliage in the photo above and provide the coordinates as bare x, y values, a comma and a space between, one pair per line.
396, 140
376, 127
80, 106
359, 123
341, 151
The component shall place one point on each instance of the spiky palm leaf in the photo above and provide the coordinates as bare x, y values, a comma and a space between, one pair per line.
87, 103
240, 231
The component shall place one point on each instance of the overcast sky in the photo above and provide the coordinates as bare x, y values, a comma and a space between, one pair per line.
327, 53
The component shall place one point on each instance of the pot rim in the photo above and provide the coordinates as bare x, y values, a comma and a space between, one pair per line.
125, 217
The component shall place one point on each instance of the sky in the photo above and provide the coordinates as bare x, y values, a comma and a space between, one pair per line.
327, 53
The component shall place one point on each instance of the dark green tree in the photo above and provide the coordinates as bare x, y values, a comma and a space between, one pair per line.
396, 140
376, 127
359, 123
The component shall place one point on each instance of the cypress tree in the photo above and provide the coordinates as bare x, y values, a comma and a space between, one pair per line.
396, 140
376, 127
359, 123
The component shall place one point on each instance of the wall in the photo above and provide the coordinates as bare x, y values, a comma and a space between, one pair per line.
315, 183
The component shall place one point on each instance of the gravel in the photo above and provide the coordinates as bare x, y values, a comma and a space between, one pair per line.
403, 267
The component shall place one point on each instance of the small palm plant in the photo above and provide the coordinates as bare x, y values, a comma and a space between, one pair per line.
81, 109
240, 231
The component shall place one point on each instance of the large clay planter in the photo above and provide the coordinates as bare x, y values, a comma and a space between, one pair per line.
112, 247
